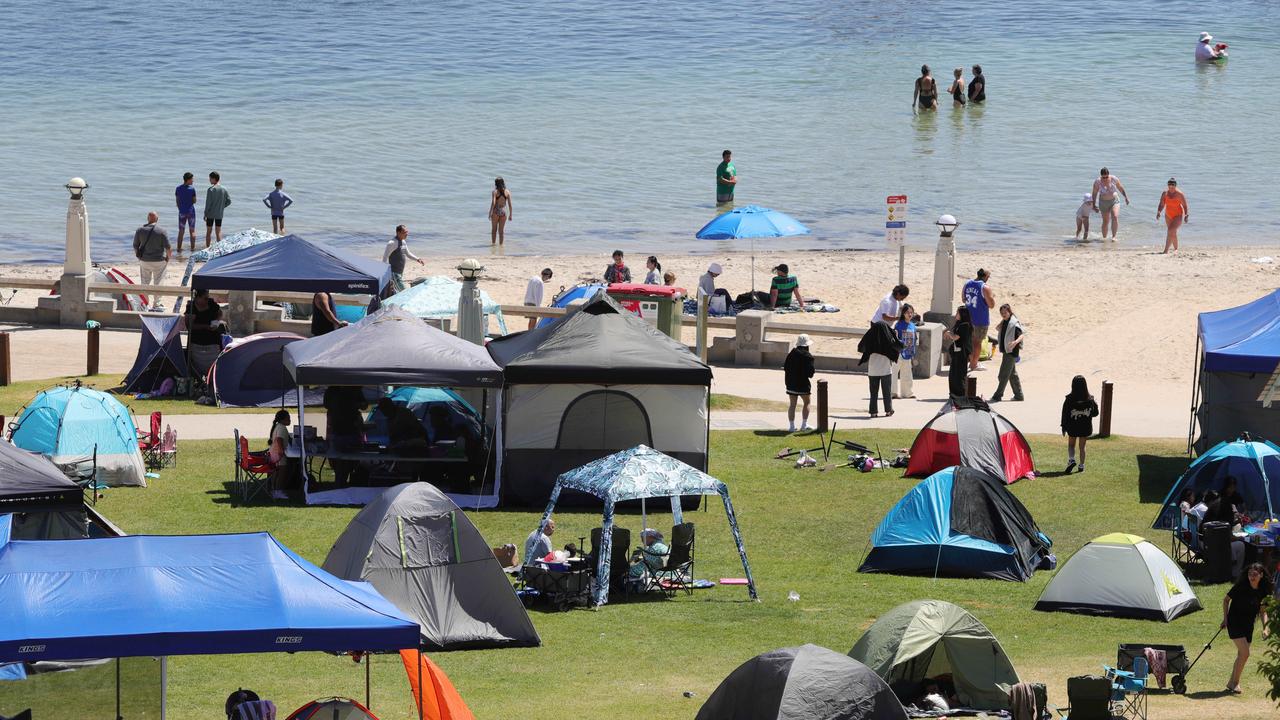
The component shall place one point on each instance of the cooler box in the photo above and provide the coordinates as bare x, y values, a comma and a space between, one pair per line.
659, 305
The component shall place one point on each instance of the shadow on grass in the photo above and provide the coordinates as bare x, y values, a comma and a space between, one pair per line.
1208, 694
1156, 474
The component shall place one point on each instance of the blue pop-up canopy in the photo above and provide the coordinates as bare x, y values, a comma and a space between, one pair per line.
183, 595
1244, 338
291, 264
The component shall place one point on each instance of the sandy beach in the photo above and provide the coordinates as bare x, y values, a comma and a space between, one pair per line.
1107, 312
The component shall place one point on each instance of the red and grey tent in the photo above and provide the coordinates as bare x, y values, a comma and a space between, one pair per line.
968, 433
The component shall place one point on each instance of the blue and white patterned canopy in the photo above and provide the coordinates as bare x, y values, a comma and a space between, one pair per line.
640, 472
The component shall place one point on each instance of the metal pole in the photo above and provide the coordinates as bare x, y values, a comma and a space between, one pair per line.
1104, 423
902, 263
302, 444
417, 654
118, 716
704, 303
822, 406
367, 658
93, 352
164, 686
6, 375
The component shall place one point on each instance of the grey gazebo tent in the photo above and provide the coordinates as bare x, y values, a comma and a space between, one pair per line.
802, 683
44, 503
422, 553
926, 638
595, 382
636, 474
393, 347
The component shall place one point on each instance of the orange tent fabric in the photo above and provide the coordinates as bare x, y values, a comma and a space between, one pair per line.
434, 694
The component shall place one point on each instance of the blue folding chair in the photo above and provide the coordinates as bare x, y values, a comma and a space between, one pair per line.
1129, 689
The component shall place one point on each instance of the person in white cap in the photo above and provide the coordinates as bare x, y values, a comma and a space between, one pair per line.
707, 283
797, 370
1205, 51
1082, 215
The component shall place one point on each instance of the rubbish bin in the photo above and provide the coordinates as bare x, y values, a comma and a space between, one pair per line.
659, 305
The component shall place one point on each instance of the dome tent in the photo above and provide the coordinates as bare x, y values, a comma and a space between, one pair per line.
1255, 464
967, 432
423, 554
802, 683
69, 424
250, 373
332, 708
958, 523
160, 354
927, 638
1120, 575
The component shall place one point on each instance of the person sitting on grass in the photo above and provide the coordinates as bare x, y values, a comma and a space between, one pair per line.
647, 559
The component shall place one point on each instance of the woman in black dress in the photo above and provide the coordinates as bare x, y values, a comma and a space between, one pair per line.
960, 337
1078, 412
1240, 608
797, 369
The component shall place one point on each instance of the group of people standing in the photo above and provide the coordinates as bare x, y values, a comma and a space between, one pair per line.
1105, 200
962, 92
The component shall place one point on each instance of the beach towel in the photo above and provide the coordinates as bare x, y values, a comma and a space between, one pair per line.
1158, 663
1022, 702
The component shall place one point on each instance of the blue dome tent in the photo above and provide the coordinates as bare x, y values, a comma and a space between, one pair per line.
958, 522
71, 424
1255, 464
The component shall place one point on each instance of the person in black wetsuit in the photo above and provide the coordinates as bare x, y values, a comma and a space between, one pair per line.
1240, 609
978, 86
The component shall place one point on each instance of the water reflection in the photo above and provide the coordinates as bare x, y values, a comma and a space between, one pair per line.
925, 123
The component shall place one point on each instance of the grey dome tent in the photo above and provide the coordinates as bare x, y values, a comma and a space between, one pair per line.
160, 354
927, 638
1120, 575
593, 383
802, 683
250, 373
44, 503
421, 552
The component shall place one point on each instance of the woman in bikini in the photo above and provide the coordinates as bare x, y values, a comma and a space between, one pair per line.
1173, 203
1106, 202
957, 88
926, 92
500, 211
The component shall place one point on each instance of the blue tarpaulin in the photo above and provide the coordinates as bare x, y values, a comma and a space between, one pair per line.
291, 264
1242, 339
183, 595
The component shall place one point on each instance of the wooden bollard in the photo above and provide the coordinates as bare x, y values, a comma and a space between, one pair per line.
971, 386
6, 374
93, 346
822, 406
1104, 420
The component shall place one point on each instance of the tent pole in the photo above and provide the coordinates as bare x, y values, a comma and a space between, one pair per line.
302, 443
367, 658
1197, 368
418, 654
118, 716
164, 686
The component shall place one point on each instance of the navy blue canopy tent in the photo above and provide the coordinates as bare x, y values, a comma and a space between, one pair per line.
183, 595
958, 522
1239, 350
159, 354
293, 264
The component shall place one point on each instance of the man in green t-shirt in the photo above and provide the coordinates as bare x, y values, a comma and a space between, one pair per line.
726, 179
782, 287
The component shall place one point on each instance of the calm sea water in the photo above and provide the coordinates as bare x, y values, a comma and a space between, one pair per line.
607, 119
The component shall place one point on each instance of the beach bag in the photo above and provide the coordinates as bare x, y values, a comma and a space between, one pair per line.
719, 305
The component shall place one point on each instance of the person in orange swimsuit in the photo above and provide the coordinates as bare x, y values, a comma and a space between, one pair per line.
1173, 203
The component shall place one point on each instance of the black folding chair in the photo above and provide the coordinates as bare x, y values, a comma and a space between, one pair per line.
677, 573
618, 556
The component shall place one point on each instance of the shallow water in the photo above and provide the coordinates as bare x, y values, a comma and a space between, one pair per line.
607, 119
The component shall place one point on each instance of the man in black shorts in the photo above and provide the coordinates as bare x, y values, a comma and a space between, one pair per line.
216, 200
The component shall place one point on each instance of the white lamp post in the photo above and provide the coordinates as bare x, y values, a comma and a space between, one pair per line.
74, 292
941, 305
470, 311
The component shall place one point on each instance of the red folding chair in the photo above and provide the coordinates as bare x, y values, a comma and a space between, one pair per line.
253, 470
150, 442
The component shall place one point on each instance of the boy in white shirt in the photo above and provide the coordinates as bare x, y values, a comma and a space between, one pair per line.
533, 293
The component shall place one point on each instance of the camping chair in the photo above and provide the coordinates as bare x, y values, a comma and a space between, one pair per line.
253, 470
1186, 540
1129, 689
677, 573
169, 447
1090, 698
619, 558
149, 443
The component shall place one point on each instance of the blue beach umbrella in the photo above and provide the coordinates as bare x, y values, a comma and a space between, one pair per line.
751, 222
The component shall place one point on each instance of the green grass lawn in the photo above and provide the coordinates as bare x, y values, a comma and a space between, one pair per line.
14, 397
805, 531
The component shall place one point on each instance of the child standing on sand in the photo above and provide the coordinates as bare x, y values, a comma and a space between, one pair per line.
1078, 412
1082, 216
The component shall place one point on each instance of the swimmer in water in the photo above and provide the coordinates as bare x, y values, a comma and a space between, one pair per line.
926, 92
1206, 52
957, 88
1173, 203
1105, 200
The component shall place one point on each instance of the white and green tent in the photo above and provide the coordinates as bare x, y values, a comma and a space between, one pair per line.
1120, 575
